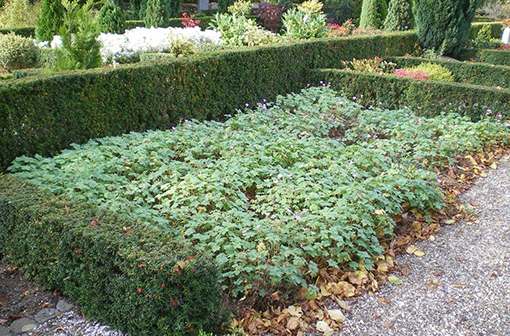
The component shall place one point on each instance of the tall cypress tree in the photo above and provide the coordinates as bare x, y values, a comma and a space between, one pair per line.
50, 20
400, 16
443, 25
373, 13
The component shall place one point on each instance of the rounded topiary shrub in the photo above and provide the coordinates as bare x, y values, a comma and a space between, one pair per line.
17, 52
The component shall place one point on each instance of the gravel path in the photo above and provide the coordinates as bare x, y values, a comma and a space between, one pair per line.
462, 284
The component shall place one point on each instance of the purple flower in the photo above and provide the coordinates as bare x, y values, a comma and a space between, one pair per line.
489, 111
279, 176
312, 233
298, 218
247, 105
304, 229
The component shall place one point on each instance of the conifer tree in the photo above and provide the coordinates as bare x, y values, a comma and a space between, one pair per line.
443, 25
373, 13
50, 20
400, 16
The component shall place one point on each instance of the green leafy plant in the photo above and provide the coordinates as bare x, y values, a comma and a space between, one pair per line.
17, 52
111, 18
238, 30
443, 26
307, 21
80, 49
310, 7
19, 13
373, 14
373, 65
240, 8
50, 20
181, 47
158, 12
435, 72
400, 16
276, 193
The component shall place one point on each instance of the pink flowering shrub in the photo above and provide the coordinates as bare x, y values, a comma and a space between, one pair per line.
415, 74
188, 21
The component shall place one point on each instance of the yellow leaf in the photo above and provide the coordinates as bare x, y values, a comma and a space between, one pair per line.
449, 221
432, 238
336, 315
323, 327
383, 266
493, 165
419, 253
346, 289
395, 280
324, 291
411, 249
358, 278
293, 323
295, 311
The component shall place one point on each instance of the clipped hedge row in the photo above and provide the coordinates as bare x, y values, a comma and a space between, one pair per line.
465, 72
45, 114
427, 98
174, 22
496, 29
24, 31
120, 271
492, 56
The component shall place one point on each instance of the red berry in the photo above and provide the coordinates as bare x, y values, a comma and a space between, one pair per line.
163, 285
139, 291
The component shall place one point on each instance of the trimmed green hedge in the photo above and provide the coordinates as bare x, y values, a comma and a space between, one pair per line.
499, 57
465, 72
120, 271
45, 114
173, 22
24, 31
427, 98
496, 29
492, 56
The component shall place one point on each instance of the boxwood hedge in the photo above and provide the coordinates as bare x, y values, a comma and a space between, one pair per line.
465, 72
428, 98
120, 271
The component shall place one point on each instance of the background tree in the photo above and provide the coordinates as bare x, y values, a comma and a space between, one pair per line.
111, 18
373, 13
157, 12
443, 25
400, 16
80, 48
50, 20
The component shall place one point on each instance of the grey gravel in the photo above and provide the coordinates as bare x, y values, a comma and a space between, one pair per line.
72, 324
462, 284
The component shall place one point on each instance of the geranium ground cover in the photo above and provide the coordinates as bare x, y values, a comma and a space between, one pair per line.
276, 192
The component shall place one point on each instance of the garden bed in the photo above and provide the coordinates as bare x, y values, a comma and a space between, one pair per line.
273, 196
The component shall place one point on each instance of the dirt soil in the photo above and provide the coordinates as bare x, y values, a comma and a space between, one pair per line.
20, 297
